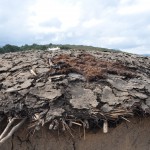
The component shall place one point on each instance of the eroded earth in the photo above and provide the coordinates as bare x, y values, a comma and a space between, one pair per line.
45, 85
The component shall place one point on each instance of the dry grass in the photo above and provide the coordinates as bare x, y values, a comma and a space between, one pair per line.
89, 66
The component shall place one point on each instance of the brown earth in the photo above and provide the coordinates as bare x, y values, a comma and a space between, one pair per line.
127, 136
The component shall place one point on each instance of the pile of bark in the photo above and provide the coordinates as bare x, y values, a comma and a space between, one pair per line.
72, 88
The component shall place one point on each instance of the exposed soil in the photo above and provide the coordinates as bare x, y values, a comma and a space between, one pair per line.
127, 136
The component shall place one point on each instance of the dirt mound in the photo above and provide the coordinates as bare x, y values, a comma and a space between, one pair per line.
67, 88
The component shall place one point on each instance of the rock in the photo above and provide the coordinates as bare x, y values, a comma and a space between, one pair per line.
76, 76
108, 96
106, 108
120, 93
5, 65
20, 66
148, 102
138, 94
46, 92
42, 70
145, 108
119, 84
18, 87
89, 83
147, 87
83, 98
98, 90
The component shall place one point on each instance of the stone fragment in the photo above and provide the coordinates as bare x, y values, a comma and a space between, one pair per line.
76, 76
136, 83
106, 108
148, 101
17, 87
3, 75
42, 70
46, 92
147, 87
138, 94
119, 84
120, 93
130, 102
5, 65
145, 108
20, 66
39, 84
22, 76
83, 98
109, 97
97, 90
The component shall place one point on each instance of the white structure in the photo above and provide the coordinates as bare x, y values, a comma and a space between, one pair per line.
53, 49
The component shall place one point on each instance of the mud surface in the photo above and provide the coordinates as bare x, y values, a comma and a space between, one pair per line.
127, 136
73, 85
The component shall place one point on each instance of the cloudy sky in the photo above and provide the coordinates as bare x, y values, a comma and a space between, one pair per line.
117, 24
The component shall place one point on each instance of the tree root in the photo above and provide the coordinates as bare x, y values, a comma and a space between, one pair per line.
7, 128
12, 131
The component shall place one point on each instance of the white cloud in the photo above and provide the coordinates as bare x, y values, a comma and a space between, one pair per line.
47, 10
119, 24
134, 7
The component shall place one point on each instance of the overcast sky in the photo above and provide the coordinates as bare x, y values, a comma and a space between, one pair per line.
118, 24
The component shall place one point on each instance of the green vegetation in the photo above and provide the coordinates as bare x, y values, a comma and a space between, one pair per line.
12, 48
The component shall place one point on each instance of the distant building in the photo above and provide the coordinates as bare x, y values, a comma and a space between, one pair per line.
53, 49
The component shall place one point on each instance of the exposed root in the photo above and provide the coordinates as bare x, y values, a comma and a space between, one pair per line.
76, 123
125, 119
65, 125
12, 131
7, 128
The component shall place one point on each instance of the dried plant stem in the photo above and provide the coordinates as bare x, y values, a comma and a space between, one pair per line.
12, 131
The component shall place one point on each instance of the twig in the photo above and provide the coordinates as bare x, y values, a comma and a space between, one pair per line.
76, 123
12, 131
7, 128
125, 119
33, 72
50, 62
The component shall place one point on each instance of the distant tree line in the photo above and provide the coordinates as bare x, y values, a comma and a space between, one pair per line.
13, 48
